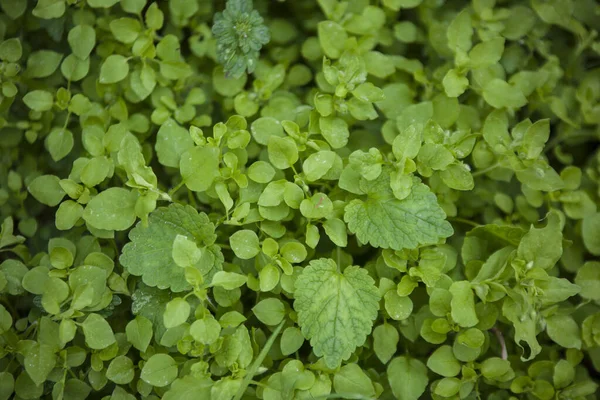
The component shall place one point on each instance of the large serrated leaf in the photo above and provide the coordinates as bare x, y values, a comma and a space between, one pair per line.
335, 310
149, 254
384, 221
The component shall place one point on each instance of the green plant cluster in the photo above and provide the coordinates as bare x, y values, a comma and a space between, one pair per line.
299, 199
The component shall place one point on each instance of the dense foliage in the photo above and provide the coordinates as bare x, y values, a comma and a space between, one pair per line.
299, 199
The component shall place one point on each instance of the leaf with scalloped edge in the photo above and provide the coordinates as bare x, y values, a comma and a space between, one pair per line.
149, 254
384, 221
335, 310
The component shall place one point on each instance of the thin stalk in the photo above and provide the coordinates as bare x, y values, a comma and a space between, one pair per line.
256, 364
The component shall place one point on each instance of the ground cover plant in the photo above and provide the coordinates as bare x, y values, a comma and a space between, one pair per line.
299, 199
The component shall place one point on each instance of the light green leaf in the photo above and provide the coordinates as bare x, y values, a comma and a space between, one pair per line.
385, 342
245, 244
82, 39
206, 330
283, 152
114, 69
98, 333
589, 231
39, 362
588, 277
269, 311
149, 254
159, 370
39, 100
42, 63
332, 37
291, 340
463, 304
112, 209
443, 362
500, 94
563, 330
352, 380
543, 247
47, 190
326, 299
59, 143
407, 377
176, 313
335, 131
139, 332
200, 167
49, 9
386, 222
189, 388
120, 370
172, 141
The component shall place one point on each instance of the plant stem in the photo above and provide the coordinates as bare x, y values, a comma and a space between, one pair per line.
256, 364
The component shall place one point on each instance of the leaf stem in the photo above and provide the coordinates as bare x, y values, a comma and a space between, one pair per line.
485, 170
256, 364
500, 338
176, 188
463, 221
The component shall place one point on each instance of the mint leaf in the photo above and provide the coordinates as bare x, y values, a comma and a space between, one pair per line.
149, 253
335, 310
384, 221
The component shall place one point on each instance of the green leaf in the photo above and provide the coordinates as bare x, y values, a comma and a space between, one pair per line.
11, 50
112, 209
460, 32
443, 362
454, 83
563, 330
82, 39
102, 3
283, 152
172, 141
185, 252
149, 254
407, 377
189, 387
486, 53
291, 341
318, 164
245, 244
48, 9
200, 167
500, 94
332, 37
39, 362
125, 30
59, 143
335, 131
588, 277
589, 231
139, 332
269, 311
47, 190
42, 63
206, 330
114, 69
386, 222
326, 299
352, 380
98, 333
543, 247
159, 370
385, 342
463, 304
176, 313
120, 370
228, 280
